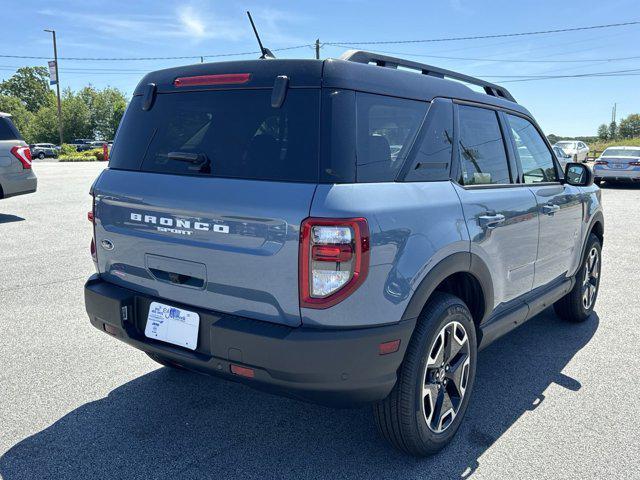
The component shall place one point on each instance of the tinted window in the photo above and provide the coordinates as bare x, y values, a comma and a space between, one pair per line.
235, 134
535, 158
432, 154
7, 130
481, 147
386, 127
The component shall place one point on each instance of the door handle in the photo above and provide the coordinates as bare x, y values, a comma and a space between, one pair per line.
550, 209
491, 220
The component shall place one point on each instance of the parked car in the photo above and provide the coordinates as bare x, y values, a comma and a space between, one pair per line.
618, 164
255, 223
16, 175
82, 144
44, 150
578, 151
563, 158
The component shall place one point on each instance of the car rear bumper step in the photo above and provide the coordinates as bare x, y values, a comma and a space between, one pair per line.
337, 367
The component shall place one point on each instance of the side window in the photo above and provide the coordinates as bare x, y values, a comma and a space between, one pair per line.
481, 147
432, 157
535, 158
386, 127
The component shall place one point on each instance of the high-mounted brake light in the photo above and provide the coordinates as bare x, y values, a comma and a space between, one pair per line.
23, 154
334, 259
222, 79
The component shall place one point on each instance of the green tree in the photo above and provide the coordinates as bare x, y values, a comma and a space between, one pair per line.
603, 132
613, 130
31, 86
630, 126
107, 107
19, 114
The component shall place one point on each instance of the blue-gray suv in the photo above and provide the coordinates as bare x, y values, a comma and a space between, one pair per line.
343, 231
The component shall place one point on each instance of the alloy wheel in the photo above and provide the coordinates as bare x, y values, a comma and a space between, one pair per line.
446, 376
591, 277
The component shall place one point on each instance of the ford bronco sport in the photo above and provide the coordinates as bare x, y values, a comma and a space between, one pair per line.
342, 231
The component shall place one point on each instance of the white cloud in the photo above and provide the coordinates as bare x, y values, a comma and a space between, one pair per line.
191, 22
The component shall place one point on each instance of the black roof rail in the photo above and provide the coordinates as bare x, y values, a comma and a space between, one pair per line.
361, 56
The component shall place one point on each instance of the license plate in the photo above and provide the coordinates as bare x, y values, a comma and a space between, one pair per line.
618, 165
173, 325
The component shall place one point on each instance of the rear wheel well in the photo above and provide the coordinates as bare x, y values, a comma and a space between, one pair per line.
467, 288
598, 231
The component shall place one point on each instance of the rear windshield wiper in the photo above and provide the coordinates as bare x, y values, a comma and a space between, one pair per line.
200, 161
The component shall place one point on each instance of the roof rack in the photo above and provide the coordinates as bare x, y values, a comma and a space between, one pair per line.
361, 56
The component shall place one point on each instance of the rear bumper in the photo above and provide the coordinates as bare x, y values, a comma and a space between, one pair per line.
19, 183
608, 174
331, 367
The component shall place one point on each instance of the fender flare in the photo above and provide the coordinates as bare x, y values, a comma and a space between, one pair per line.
598, 217
461, 262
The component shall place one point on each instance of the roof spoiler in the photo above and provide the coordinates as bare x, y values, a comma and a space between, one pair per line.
361, 56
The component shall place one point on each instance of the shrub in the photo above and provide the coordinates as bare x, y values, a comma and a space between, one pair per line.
66, 149
96, 152
77, 158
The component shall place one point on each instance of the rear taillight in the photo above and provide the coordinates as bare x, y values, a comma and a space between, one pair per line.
334, 259
23, 154
601, 162
634, 164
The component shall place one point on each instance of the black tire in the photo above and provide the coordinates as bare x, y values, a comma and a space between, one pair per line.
164, 361
400, 417
41, 155
574, 307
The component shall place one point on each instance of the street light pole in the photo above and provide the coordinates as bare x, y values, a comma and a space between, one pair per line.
55, 58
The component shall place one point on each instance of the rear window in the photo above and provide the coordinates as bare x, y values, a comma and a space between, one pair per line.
233, 134
621, 152
7, 130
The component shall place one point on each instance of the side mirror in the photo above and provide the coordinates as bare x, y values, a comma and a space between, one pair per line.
578, 175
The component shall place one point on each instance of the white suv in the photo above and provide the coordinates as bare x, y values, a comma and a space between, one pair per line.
577, 150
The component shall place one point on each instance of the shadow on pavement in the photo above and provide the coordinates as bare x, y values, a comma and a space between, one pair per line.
170, 424
9, 218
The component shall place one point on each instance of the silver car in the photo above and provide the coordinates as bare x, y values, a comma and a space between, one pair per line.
16, 175
618, 164
44, 150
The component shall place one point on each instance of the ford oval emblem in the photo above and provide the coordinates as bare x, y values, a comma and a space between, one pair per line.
106, 244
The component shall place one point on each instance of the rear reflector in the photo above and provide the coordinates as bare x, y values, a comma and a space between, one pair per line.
389, 347
242, 371
23, 154
223, 79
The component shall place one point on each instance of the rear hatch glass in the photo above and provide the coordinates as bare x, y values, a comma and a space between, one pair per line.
228, 134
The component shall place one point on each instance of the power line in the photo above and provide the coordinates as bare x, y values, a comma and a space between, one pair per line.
346, 44
479, 37
184, 57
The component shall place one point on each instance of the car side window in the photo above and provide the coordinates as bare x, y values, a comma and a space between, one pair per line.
431, 158
535, 158
481, 147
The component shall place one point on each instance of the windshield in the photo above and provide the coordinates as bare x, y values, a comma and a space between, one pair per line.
233, 134
621, 152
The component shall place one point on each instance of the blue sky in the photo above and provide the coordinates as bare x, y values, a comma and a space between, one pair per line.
144, 28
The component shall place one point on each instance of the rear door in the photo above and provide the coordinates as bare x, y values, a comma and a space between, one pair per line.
204, 196
501, 216
559, 206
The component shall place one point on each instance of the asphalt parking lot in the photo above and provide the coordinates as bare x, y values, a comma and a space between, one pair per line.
552, 400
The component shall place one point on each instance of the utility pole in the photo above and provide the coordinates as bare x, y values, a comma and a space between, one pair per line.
318, 49
55, 58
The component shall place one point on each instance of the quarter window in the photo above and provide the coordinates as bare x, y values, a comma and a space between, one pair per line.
535, 158
481, 147
386, 127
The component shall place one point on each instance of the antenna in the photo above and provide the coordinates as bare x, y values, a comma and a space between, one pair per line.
266, 53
